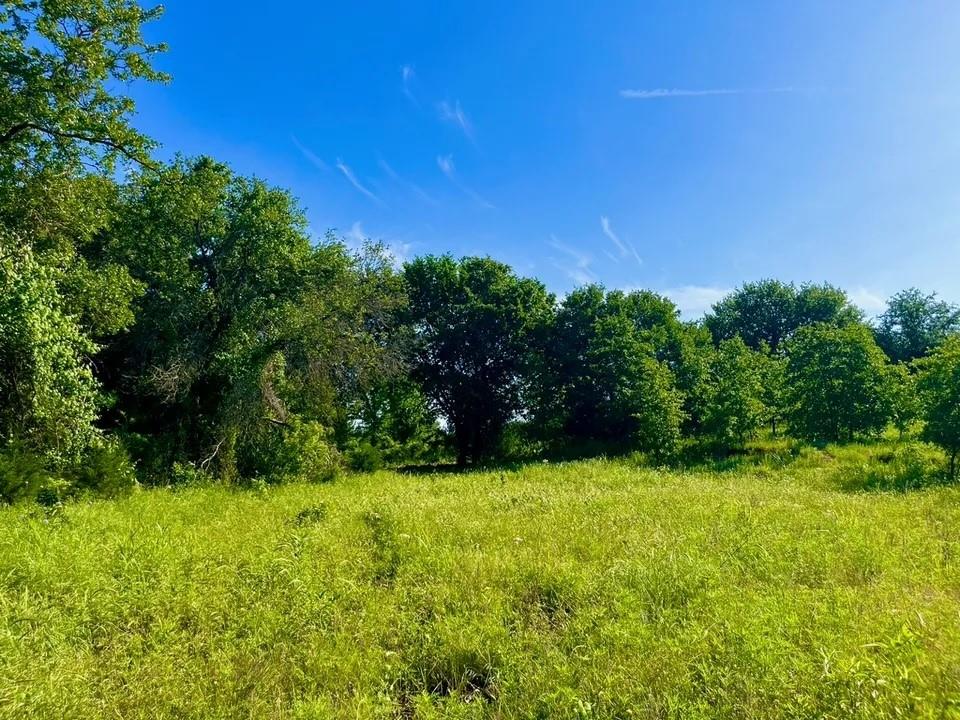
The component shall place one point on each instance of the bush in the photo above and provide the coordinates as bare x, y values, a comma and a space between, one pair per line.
106, 470
908, 467
365, 458
23, 475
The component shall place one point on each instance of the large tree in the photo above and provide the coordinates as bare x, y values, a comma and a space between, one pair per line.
915, 323
610, 369
247, 330
769, 312
839, 383
477, 329
65, 72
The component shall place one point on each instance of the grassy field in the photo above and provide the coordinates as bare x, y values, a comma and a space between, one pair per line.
595, 589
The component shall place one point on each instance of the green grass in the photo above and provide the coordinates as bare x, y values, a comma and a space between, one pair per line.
584, 590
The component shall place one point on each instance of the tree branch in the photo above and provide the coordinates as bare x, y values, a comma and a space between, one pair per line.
15, 130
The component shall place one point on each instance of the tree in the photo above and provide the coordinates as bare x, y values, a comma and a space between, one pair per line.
477, 327
734, 406
939, 386
63, 63
607, 373
249, 339
770, 312
904, 401
773, 395
634, 396
838, 383
48, 397
914, 324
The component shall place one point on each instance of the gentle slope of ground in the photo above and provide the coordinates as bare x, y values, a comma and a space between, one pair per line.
583, 590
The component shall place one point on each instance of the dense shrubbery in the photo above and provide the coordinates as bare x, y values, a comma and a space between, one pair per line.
183, 321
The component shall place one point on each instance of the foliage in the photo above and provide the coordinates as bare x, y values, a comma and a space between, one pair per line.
914, 324
63, 64
769, 312
636, 396
23, 473
734, 407
48, 396
905, 403
838, 383
939, 386
105, 470
245, 325
394, 425
610, 370
476, 327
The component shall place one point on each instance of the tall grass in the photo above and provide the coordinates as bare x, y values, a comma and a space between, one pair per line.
593, 589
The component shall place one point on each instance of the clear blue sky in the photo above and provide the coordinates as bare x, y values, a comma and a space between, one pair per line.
682, 147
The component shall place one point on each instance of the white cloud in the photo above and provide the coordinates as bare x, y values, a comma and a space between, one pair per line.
407, 73
578, 266
309, 154
348, 174
695, 300
412, 187
868, 301
658, 93
455, 114
445, 163
355, 236
625, 248
399, 252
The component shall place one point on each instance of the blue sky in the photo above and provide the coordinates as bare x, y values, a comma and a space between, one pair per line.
681, 147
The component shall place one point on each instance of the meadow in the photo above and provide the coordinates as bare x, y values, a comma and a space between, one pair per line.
778, 585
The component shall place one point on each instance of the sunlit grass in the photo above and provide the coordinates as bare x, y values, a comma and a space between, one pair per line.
595, 589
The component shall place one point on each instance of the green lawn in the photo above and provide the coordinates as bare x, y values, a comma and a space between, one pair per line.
583, 590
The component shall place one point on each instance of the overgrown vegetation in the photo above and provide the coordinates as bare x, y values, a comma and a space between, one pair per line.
782, 582
185, 319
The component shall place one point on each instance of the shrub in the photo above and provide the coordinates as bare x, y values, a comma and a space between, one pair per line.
23, 475
908, 467
364, 457
105, 470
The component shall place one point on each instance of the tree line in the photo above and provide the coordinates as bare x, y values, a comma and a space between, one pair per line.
181, 323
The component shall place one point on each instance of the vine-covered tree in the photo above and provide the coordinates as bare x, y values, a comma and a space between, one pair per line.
248, 338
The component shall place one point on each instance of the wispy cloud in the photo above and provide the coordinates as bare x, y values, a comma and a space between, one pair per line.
407, 73
445, 163
577, 266
625, 247
398, 252
411, 186
868, 301
454, 114
309, 154
355, 236
658, 93
349, 175
695, 300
